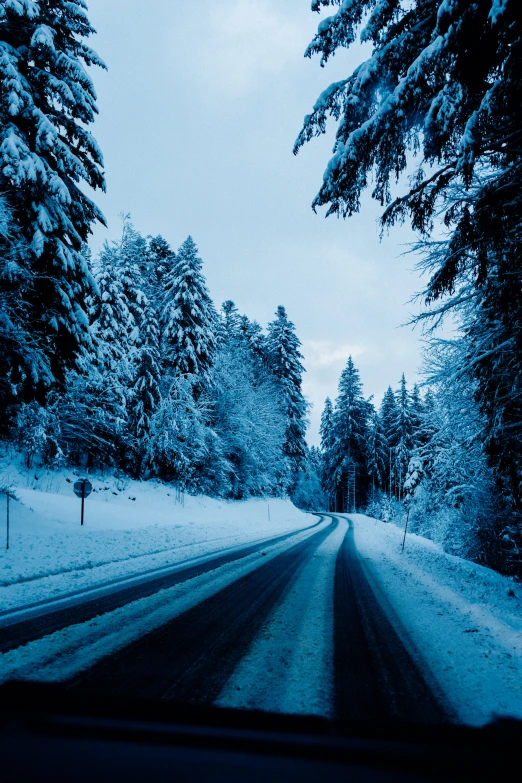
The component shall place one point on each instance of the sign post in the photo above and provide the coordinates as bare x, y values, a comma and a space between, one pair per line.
7, 501
82, 489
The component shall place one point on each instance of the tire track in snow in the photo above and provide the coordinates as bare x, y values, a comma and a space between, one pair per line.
46, 617
376, 678
190, 658
289, 666
65, 653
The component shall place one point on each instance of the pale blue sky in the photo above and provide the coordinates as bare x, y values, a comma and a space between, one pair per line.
198, 114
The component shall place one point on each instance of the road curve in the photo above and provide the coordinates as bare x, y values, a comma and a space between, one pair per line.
372, 675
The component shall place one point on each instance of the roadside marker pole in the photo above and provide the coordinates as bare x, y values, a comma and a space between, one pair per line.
83, 500
7, 541
405, 529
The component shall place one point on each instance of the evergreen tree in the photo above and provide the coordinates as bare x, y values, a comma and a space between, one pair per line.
417, 415
160, 258
328, 481
22, 351
402, 435
314, 456
377, 456
132, 263
230, 321
46, 151
111, 318
284, 357
307, 493
188, 318
145, 393
350, 431
389, 415
252, 333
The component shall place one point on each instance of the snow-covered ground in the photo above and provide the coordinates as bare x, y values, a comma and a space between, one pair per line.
463, 620
130, 527
65, 653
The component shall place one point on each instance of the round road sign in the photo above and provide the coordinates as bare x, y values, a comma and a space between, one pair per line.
82, 488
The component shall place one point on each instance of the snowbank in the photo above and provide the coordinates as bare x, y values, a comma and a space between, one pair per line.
464, 621
130, 526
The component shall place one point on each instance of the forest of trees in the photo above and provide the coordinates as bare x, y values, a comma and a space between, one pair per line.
123, 361
420, 451
433, 119
172, 389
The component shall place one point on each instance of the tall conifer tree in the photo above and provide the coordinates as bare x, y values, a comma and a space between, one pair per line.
377, 449
188, 317
350, 428
282, 347
327, 453
402, 434
46, 151
146, 388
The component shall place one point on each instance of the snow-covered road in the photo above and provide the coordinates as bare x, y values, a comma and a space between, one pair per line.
329, 620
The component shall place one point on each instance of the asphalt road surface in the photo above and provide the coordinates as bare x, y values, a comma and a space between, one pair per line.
376, 674
47, 617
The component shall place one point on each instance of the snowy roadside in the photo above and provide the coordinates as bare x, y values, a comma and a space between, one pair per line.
130, 527
63, 654
463, 620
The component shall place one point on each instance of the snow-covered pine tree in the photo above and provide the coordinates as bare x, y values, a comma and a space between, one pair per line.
188, 318
284, 357
349, 432
111, 319
252, 334
230, 321
308, 494
417, 414
145, 392
402, 434
442, 79
107, 374
314, 456
377, 452
132, 267
46, 151
160, 259
428, 426
178, 447
388, 416
326, 431
21, 349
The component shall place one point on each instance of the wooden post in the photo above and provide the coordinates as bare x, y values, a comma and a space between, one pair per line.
405, 529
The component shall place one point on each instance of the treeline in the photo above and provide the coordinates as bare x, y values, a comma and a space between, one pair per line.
417, 452
121, 362
172, 389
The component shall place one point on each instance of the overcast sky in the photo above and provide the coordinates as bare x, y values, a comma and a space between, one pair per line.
198, 114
